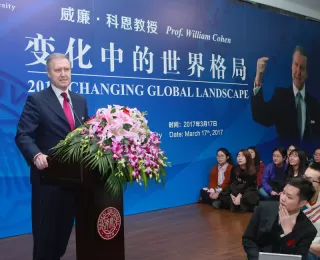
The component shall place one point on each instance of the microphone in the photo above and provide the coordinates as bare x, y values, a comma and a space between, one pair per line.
74, 112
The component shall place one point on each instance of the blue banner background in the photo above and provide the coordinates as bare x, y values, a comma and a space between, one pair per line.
254, 33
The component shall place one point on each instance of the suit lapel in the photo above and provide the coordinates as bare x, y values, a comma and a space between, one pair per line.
292, 103
292, 111
54, 104
76, 104
299, 221
271, 220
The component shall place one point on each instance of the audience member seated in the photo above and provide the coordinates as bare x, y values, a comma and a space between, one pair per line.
274, 175
312, 209
258, 164
219, 177
297, 163
289, 150
316, 156
282, 227
242, 194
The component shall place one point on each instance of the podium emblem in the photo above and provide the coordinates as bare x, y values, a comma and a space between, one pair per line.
109, 223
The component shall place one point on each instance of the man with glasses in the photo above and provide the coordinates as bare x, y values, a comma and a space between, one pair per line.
316, 155
312, 209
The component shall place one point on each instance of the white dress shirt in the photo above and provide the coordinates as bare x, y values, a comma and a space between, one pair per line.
303, 106
58, 92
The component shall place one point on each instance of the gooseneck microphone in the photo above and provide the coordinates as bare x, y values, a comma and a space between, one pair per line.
74, 112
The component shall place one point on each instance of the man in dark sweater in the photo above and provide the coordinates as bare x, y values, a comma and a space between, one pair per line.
281, 227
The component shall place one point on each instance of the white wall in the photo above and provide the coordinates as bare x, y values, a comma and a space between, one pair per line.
310, 8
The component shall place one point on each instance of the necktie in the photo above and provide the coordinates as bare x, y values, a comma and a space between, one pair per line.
299, 113
67, 110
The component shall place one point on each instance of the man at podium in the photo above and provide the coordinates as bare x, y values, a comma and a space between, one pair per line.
47, 117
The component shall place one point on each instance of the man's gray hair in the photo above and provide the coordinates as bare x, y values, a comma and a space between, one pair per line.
54, 56
300, 49
303, 52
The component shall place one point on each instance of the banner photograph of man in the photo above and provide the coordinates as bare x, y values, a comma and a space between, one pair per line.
292, 110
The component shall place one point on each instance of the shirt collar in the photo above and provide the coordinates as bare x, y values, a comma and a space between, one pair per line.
222, 167
293, 216
58, 91
302, 92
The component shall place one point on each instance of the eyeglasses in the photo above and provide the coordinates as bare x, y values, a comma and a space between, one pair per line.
310, 179
317, 154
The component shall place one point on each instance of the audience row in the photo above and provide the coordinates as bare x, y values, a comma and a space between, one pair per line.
241, 186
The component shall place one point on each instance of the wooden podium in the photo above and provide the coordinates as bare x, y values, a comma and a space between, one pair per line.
99, 217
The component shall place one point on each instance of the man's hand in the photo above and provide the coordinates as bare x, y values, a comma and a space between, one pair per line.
233, 198
287, 223
41, 161
261, 68
237, 200
214, 195
273, 193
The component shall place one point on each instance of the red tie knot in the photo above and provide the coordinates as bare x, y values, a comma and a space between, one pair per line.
64, 95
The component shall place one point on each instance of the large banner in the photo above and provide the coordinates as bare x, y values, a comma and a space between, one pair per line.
190, 64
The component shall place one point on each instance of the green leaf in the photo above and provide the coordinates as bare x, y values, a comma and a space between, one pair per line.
110, 160
103, 165
144, 178
162, 170
114, 184
94, 148
125, 141
127, 127
130, 174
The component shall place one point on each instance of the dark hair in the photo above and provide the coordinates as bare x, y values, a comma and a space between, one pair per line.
302, 164
306, 189
295, 147
228, 154
250, 167
257, 158
281, 150
315, 166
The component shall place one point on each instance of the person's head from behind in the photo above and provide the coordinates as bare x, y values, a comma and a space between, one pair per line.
244, 160
296, 194
255, 155
59, 70
299, 67
223, 156
313, 175
279, 156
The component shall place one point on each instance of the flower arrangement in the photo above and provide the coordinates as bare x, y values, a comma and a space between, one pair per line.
118, 143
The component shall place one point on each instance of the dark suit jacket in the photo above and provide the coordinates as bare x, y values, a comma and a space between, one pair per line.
259, 238
281, 111
43, 124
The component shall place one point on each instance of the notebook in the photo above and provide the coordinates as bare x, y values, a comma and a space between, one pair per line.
271, 256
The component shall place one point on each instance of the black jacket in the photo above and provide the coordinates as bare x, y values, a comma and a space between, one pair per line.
260, 235
281, 111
